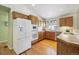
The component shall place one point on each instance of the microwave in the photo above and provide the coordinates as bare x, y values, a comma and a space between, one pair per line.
34, 27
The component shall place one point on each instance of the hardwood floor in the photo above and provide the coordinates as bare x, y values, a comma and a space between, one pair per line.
4, 50
44, 47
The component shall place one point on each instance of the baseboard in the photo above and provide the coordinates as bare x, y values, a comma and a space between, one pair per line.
9, 47
5, 42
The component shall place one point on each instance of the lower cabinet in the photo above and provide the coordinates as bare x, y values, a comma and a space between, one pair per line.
45, 35
66, 48
50, 35
41, 35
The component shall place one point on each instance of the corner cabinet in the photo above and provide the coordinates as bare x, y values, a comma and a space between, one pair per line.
50, 35
66, 21
41, 35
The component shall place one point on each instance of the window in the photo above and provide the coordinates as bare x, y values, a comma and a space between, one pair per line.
52, 25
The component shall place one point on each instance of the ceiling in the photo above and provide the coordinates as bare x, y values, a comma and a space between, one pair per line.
53, 10
47, 11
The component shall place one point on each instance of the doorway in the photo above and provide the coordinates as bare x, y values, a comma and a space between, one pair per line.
4, 24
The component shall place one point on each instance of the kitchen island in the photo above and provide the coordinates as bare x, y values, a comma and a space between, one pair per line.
68, 44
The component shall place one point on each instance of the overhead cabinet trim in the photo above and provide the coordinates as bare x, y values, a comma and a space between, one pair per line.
19, 15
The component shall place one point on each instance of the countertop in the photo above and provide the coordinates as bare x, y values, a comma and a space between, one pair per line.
69, 37
47, 30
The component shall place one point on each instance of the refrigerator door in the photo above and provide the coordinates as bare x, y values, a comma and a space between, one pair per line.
21, 41
28, 33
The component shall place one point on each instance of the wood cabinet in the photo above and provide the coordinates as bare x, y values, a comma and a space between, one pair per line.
50, 35
45, 35
18, 15
34, 19
69, 21
66, 48
62, 22
66, 21
41, 35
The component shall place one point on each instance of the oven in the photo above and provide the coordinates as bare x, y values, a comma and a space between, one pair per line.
34, 32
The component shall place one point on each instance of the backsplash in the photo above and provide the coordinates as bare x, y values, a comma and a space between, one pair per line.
65, 29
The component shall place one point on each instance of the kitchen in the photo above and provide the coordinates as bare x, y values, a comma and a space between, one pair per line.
66, 23
18, 35
44, 31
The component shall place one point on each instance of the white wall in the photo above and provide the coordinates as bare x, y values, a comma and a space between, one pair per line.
78, 20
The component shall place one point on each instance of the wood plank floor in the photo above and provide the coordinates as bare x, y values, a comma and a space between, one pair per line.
44, 47
4, 50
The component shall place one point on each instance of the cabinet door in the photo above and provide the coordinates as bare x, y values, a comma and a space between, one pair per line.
69, 21
46, 34
52, 35
34, 19
62, 21
40, 35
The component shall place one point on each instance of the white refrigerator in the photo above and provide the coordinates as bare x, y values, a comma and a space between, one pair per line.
22, 35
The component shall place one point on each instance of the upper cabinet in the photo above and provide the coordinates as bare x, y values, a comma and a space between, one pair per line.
41, 23
69, 21
66, 21
34, 19
62, 22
